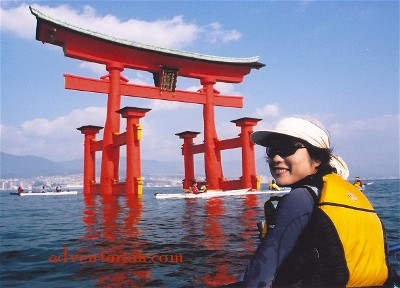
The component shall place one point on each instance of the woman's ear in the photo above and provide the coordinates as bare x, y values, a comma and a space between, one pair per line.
316, 163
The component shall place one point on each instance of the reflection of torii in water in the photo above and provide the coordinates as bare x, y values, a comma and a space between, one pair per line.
165, 64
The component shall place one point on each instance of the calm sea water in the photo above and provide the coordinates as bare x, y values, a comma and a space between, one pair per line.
75, 241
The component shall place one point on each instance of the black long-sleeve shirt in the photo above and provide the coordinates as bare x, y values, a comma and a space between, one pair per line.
293, 213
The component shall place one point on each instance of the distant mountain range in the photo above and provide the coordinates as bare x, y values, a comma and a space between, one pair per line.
30, 166
13, 166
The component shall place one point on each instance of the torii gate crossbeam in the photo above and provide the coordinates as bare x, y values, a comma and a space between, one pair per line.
101, 86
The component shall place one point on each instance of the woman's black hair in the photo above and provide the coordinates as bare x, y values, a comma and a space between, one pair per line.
323, 155
319, 154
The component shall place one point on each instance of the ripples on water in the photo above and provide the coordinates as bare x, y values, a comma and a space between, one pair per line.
211, 235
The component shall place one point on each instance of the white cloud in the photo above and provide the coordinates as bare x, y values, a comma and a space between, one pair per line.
141, 79
18, 20
162, 105
226, 88
55, 139
269, 110
96, 68
370, 146
227, 130
156, 146
216, 33
170, 33
370, 126
194, 88
99, 69
63, 126
221, 87
58, 139
12, 139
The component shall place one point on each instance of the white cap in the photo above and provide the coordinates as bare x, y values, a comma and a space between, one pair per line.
341, 167
306, 129
301, 128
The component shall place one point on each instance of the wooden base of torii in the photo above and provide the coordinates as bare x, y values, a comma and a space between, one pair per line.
165, 65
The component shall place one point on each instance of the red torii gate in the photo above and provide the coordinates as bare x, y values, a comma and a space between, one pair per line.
165, 64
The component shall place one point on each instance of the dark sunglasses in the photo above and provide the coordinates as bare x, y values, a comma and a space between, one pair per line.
283, 150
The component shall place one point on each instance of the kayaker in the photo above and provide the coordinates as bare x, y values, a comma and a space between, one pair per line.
273, 186
20, 190
194, 188
303, 246
358, 182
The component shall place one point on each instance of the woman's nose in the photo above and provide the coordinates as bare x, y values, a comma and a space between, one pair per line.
276, 159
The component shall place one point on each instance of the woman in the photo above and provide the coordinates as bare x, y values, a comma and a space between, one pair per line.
324, 232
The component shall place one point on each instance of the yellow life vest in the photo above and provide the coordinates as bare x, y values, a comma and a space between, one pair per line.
360, 231
273, 186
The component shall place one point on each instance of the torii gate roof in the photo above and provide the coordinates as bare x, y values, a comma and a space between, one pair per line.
92, 46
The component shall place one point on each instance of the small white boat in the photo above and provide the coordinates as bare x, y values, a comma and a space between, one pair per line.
52, 193
218, 193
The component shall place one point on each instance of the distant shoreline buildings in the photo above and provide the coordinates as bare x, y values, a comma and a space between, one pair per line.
76, 181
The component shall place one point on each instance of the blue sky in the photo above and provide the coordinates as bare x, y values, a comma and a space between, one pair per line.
337, 61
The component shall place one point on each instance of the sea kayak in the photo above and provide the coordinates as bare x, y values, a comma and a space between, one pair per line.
218, 193
44, 193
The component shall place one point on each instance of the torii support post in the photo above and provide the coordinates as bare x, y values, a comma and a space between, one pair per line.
89, 157
134, 181
188, 158
249, 176
110, 156
212, 156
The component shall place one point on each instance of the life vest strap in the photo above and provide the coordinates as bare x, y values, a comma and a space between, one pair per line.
345, 206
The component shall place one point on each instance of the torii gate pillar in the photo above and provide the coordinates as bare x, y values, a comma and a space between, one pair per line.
212, 155
188, 158
249, 176
134, 181
110, 156
89, 158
